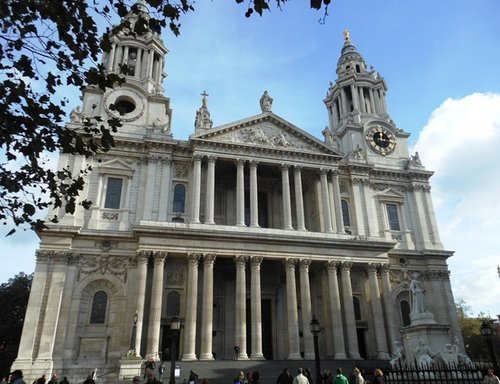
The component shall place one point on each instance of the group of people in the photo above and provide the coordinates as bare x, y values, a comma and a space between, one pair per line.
304, 377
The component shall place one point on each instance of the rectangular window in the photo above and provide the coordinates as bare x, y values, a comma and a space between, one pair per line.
392, 216
113, 193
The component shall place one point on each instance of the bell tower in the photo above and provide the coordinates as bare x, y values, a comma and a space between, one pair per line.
358, 121
137, 54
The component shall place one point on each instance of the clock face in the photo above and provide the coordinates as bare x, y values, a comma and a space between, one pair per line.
381, 140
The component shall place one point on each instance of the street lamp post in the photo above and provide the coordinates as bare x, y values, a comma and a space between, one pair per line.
134, 335
315, 329
175, 326
488, 332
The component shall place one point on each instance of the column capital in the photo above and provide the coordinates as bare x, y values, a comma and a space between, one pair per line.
324, 171
298, 167
335, 172
159, 256
197, 157
346, 265
289, 263
385, 267
142, 256
256, 261
211, 158
254, 163
240, 260
372, 267
240, 162
332, 265
193, 258
209, 258
284, 166
304, 263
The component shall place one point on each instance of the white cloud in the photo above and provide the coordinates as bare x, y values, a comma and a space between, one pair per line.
460, 142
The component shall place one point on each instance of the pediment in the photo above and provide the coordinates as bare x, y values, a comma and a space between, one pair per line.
265, 130
390, 195
115, 166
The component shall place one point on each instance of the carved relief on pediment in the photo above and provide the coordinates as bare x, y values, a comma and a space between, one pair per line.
265, 134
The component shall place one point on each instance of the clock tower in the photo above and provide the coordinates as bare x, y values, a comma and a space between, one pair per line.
359, 123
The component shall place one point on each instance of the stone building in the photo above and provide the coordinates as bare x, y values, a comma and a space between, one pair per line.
245, 231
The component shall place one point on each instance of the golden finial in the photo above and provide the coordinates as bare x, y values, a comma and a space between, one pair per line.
347, 36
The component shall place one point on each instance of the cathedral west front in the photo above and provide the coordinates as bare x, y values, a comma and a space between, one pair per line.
245, 232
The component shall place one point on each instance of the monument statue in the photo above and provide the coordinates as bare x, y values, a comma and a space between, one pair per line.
417, 295
423, 353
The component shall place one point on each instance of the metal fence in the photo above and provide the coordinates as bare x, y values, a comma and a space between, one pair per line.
437, 374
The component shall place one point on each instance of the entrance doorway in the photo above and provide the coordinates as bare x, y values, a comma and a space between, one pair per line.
166, 344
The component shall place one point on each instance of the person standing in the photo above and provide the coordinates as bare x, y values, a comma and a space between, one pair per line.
41, 380
161, 370
150, 377
64, 380
340, 378
136, 380
490, 377
285, 377
89, 380
379, 376
16, 377
358, 378
300, 378
53, 380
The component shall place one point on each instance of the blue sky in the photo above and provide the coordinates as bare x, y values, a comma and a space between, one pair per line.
441, 61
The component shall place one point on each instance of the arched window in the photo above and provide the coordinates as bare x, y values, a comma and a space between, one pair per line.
357, 308
173, 303
345, 213
404, 307
179, 198
99, 305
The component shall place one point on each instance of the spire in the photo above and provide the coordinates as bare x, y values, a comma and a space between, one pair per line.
202, 120
350, 60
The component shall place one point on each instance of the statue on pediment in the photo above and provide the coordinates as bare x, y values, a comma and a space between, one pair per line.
266, 102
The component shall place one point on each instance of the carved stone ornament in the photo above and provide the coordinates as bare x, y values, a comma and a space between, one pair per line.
181, 170
267, 134
103, 264
175, 274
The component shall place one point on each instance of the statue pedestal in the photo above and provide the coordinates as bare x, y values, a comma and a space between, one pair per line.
436, 336
424, 318
130, 366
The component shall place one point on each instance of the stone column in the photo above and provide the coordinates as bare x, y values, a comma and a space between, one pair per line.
53, 306
254, 195
350, 319
195, 205
362, 106
208, 307
305, 301
150, 188
377, 312
209, 205
138, 64
191, 307
164, 190
392, 330
427, 199
111, 58
150, 64
372, 101
337, 202
240, 193
156, 301
299, 198
357, 186
287, 209
142, 270
255, 300
325, 200
241, 307
34, 309
355, 101
292, 313
336, 311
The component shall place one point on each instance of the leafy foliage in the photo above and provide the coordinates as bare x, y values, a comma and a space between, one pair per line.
14, 298
470, 325
46, 45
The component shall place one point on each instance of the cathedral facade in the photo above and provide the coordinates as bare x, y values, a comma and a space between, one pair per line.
245, 231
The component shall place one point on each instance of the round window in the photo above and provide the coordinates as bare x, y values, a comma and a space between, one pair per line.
124, 105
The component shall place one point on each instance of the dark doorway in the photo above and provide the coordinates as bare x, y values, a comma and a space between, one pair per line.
361, 342
166, 344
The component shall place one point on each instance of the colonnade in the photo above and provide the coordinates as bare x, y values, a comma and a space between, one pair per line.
363, 99
341, 316
330, 204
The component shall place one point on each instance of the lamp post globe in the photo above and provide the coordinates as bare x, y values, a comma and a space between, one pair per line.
315, 329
